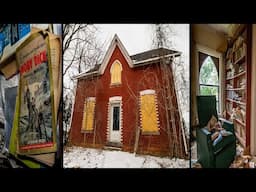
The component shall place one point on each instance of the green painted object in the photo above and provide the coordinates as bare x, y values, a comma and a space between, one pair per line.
223, 153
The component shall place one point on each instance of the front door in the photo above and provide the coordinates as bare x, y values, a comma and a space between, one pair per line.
115, 131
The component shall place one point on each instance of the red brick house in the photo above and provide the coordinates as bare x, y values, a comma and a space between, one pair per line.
129, 102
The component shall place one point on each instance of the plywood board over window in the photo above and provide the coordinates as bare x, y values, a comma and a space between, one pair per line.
149, 112
116, 71
88, 114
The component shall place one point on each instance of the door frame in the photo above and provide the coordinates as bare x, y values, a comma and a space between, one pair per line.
114, 101
115, 135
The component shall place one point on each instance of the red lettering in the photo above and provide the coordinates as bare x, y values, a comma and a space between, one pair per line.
27, 66
36, 60
43, 56
40, 58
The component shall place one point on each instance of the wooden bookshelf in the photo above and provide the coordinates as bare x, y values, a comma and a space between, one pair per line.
237, 102
237, 75
236, 89
240, 60
240, 122
241, 140
238, 82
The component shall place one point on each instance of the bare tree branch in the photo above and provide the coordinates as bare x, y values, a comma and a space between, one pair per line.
81, 52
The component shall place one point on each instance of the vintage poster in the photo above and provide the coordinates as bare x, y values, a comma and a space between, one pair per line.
36, 124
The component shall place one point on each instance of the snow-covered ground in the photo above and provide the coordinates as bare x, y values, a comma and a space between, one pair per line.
79, 157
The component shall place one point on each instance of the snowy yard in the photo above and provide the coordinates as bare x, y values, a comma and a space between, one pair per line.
78, 157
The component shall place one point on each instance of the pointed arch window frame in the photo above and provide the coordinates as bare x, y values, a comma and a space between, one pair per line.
112, 81
215, 60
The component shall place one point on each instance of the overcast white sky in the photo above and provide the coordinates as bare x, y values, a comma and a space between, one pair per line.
138, 37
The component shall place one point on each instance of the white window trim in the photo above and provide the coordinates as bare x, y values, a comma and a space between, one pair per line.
116, 83
90, 99
116, 61
148, 92
115, 42
115, 99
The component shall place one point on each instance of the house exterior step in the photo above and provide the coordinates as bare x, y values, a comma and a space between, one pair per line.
113, 146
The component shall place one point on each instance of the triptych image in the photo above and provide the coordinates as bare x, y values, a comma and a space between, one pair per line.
127, 96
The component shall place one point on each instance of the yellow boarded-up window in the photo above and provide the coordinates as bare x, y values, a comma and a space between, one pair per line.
115, 71
148, 111
88, 115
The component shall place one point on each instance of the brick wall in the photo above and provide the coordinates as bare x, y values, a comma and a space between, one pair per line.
133, 80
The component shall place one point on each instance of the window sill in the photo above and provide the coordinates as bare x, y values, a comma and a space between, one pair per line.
115, 85
86, 131
150, 133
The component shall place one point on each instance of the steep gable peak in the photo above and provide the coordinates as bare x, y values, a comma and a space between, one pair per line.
114, 43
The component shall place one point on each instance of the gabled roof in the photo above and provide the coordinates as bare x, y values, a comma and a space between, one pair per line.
153, 56
136, 60
152, 53
115, 42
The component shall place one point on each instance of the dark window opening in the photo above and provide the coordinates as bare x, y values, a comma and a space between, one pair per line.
116, 119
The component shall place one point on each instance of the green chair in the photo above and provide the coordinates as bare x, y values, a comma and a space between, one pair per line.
223, 153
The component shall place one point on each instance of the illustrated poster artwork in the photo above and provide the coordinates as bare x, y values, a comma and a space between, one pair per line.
35, 126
